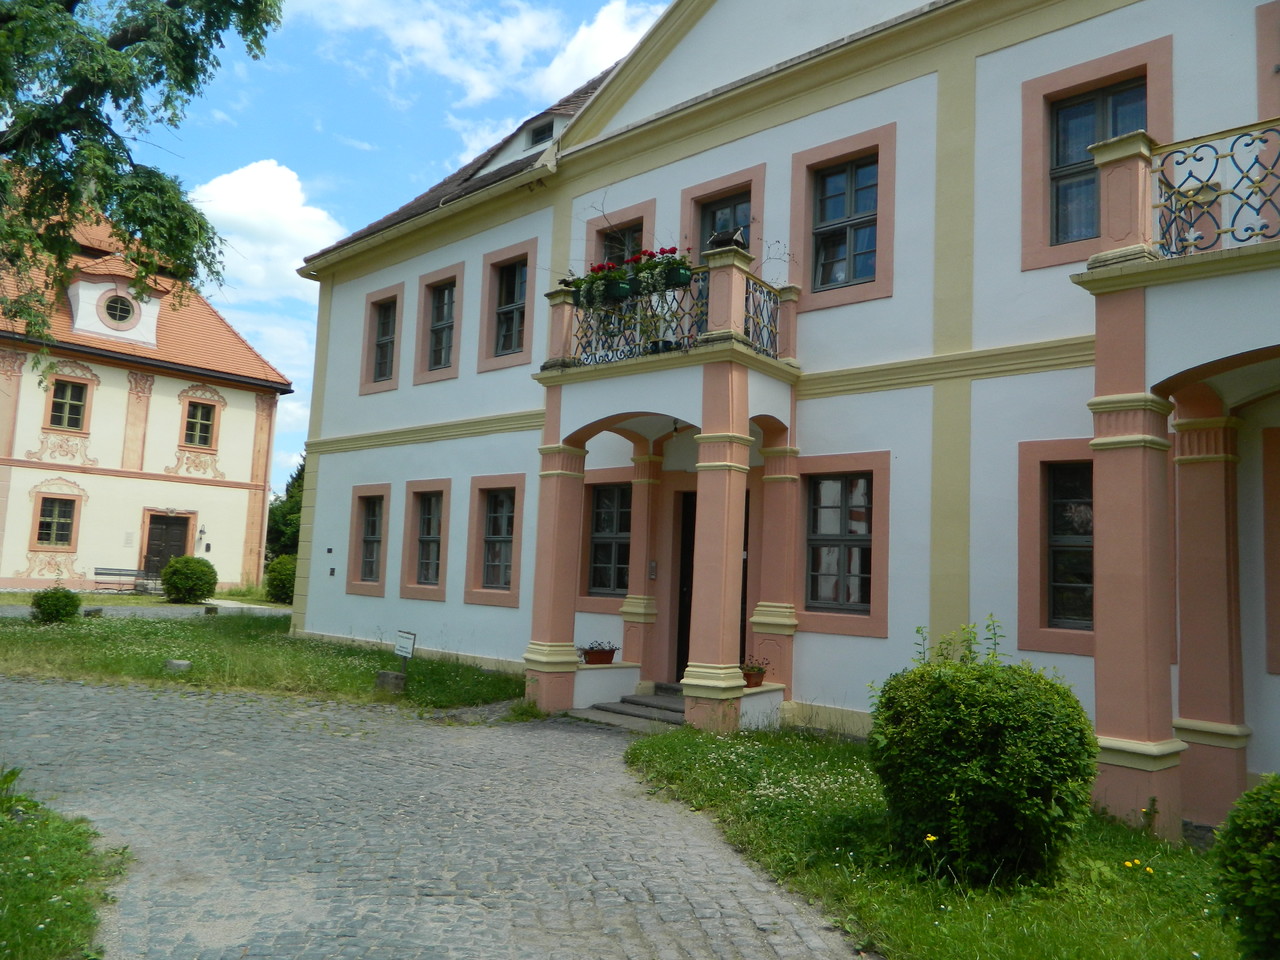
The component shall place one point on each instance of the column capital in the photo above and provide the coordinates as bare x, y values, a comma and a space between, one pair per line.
1234, 736
551, 657
638, 608
713, 681
554, 448
1140, 754
775, 618
738, 438
1117, 402
1127, 420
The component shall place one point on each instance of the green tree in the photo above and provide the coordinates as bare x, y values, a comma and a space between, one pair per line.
80, 80
284, 516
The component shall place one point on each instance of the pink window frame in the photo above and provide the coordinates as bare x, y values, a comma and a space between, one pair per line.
35, 546
643, 213
693, 199
367, 588
1152, 60
874, 623
371, 301
422, 373
474, 592
606, 476
410, 589
1034, 632
493, 262
880, 141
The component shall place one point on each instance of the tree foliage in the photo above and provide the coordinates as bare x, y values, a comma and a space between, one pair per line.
284, 516
79, 82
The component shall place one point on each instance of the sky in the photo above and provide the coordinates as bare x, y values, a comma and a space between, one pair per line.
358, 107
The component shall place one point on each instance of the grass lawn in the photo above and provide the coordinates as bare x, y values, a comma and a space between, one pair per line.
52, 879
252, 595
237, 652
809, 810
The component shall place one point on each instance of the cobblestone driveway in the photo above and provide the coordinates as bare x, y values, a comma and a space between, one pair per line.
303, 831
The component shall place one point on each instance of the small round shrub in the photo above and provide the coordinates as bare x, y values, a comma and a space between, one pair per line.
188, 580
280, 576
986, 766
1248, 858
55, 605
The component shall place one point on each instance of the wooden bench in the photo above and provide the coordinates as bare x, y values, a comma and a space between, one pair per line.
112, 578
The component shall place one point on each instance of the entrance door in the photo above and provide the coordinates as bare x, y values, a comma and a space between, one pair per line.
688, 508
166, 539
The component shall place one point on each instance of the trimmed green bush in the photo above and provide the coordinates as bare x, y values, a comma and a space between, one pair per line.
280, 576
55, 605
188, 580
986, 765
1248, 858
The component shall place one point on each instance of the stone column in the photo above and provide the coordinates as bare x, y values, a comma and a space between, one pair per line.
562, 315
1133, 610
640, 608
726, 293
788, 300
713, 683
551, 659
1210, 677
1124, 192
773, 622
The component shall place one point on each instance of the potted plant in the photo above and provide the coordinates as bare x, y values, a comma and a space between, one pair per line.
753, 669
662, 269
598, 651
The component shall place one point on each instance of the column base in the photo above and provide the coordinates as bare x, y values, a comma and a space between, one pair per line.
716, 715
550, 669
1214, 769
1133, 775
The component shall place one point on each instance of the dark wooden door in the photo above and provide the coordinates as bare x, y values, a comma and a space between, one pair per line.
688, 508
166, 539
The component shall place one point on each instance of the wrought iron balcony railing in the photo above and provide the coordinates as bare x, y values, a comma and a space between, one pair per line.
1217, 192
670, 320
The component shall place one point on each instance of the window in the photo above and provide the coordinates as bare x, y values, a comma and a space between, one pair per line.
541, 132
1055, 546
380, 357
1070, 542
608, 571
844, 241
506, 312
509, 324
493, 548
1076, 123
118, 309
68, 405
839, 543
56, 524
726, 214
366, 551
430, 520
384, 340
622, 244
1062, 113
440, 339
199, 425
844, 224
426, 538
499, 538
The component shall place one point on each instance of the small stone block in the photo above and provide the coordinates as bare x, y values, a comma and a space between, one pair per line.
177, 666
93, 611
210, 611
390, 680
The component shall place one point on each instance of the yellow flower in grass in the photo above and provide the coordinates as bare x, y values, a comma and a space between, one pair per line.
929, 838
1128, 863
1149, 870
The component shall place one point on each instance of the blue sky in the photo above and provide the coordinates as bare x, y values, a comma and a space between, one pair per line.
358, 107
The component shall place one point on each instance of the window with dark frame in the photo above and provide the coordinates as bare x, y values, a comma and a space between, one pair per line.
726, 214
371, 539
499, 538
509, 322
430, 505
610, 551
541, 132
1070, 544
440, 335
621, 244
1077, 122
199, 426
66, 409
56, 523
839, 544
844, 223
384, 339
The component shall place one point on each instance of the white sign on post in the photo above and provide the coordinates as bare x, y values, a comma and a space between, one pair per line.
405, 643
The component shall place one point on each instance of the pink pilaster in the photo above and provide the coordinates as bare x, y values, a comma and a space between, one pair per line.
773, 622
561, 317
728, 269
788, 300
1133, 610
639, 609
550, 659
1211, 687
713, 683
1124, 190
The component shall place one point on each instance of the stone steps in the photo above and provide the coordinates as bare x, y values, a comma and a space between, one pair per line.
640, 711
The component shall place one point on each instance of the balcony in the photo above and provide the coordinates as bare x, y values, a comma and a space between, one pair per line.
723, 302
1217, 192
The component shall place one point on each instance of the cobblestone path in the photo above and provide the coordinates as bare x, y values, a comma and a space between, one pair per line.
271, 828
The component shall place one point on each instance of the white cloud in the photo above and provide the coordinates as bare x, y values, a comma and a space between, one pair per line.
261, 211
617, 28
353, 143
478, 135
221, 116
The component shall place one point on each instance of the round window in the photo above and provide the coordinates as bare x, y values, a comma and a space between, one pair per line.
119, 309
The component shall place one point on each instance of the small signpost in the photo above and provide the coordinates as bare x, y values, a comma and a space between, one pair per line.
388, 679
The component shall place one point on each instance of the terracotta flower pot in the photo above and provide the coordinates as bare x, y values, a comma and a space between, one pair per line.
753, 679
598, 656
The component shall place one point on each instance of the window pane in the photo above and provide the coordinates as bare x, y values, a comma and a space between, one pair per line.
833, 251
1071, 603
832, 191
865, 180
1128, 111
1075, 128
1075, 205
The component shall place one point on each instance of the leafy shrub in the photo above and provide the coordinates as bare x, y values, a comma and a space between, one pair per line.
986, 765
188, 580
1248, 858
55, 605
280, 576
